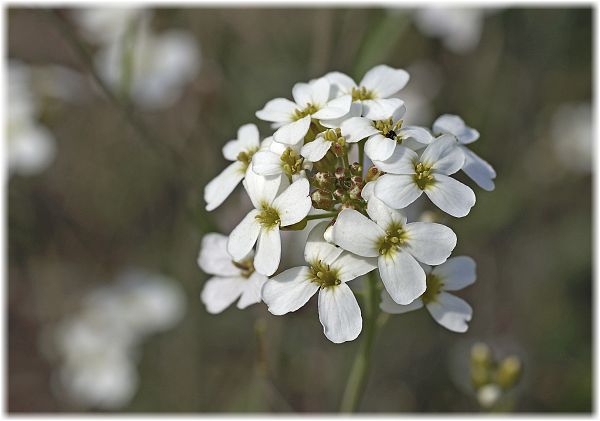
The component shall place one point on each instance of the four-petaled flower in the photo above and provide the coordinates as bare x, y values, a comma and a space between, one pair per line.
410, 175
311, 101
399, 246
329, 269
479, 170
271, 212
448, 310
231, 280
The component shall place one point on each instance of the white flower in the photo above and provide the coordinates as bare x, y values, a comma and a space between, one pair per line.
480, 171
384, 134
311, 100
572, 135
397, 245
231, 280
240, 151
460, 29
271, 212
106, 25
151, 69
277, 159
409, 175
328, 270
375, 90
448, 310
488, 395
31, 146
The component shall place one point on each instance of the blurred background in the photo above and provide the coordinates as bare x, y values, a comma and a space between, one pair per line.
106, 216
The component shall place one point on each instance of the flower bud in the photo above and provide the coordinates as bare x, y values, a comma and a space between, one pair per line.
508, 372
340, 173
373, 173
354, 192
339, 193
322, 200
325, 181
356, 169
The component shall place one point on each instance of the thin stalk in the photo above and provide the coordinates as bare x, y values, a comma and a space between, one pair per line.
359, 372
321, 216
345, 158
361, 154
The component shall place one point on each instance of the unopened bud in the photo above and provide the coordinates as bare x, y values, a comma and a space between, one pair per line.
373, 173
355, 191
322, 200
340, 173
356, 169
508, 372
339, 193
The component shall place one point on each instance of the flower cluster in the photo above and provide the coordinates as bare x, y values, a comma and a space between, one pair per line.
304, 172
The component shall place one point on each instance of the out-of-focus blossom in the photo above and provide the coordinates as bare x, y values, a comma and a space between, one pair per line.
31, 146
458, 28
97, 347
105, 25
571, 132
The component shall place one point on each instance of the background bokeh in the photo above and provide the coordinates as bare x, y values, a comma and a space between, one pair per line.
112, 199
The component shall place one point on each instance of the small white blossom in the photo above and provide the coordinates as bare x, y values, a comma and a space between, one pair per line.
384, 134
479, 170
399, 246
241, 151
107, 25
231, 280
375, 90
448, 310
410, 175
312, 100
277, 159
330, 268
572, 134
271, 212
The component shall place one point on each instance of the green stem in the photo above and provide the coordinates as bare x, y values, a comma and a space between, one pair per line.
346, 161
321, 216
359, 372
361, 153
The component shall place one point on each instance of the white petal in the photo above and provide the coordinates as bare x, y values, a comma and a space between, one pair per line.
339, 314
335, 108
429, 242
266, 163
381, 109
380, 148
268, 251
243, 237
417, 134
455, 125
214, 258
451, 312
292, 133
278, 110
355, 232
384, 80
351, 266
220, 187
383, 214
317, 248
301, 94
368, 190
289, 290
252, 290
260, 188
480, 171
341, 84
443, 155
231, 150
402, 276
402, 161
355, 111
357, 128
320, 90
397, 191
294, 203
451, 196
219, 293
248, 137
456, 273
314, 151
390, 306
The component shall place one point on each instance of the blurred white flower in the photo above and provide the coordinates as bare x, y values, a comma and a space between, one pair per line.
31, 146
571, 130
488, 395
459, 28
97, 347
106, 25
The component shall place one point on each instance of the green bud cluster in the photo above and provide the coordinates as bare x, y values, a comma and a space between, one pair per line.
342, 189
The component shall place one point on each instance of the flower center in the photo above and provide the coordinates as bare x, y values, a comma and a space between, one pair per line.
291, 162
388, 129
395, 238
362, 93
268, 217
246, 266
245, 157
423, 175
322, 274
434, 287
308, 110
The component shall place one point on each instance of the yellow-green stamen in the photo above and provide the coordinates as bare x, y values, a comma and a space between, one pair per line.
322, 274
